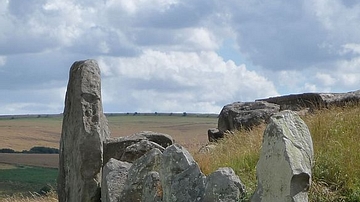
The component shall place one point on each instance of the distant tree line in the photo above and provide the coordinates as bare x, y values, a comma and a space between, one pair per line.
33, 150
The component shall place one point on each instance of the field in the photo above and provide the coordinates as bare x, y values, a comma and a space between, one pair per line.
335, 134
23, 133
21, 173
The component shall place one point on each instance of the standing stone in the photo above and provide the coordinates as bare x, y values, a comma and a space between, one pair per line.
114, 177
84, 130
286, 158
224, 185
180, 176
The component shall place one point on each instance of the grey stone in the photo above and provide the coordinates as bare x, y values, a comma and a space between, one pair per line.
138, 149
214, 134
162, 139
180, 176
152, 189
224, 185
115, 147
137, 173
286, 158
114, 177
245, 115
84, 130
297, 102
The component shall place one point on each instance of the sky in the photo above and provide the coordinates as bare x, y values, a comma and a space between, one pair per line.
176, 55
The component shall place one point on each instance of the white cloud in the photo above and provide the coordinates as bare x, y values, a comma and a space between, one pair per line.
161, 54
2, 60
51, 101
325, 79
178, 81
351, 47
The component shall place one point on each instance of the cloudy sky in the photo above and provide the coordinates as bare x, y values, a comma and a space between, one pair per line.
176, 55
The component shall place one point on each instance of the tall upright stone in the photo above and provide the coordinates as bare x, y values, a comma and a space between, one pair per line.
84, 130
286, 159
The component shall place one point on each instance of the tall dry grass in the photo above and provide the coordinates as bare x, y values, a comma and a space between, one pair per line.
239, 151
336, 138
50, 197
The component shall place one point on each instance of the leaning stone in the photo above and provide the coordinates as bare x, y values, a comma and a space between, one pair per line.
137, 172
152, 189
162, 139
224, 185
286, 158
84, 130
180, 176
138, 149
115, 147
114, 176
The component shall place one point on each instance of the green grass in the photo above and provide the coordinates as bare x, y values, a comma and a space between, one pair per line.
336, 136
25, 179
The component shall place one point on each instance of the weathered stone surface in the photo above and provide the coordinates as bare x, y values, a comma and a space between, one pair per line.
286, 158
152, 189
84, 130
137, 173
224, 186
113, 182
340, 99
245, 115
162, 139
138, 149
180, 176
298, 102
214, 134
115, 147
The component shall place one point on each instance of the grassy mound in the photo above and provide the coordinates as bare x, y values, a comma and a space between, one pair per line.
336, 136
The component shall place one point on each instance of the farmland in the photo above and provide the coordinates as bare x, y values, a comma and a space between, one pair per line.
21, 173
23, 133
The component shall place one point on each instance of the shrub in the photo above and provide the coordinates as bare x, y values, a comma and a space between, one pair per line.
43, 150
7, 150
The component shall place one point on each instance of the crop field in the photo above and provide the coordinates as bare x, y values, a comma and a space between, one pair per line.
21, 173
23, 133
